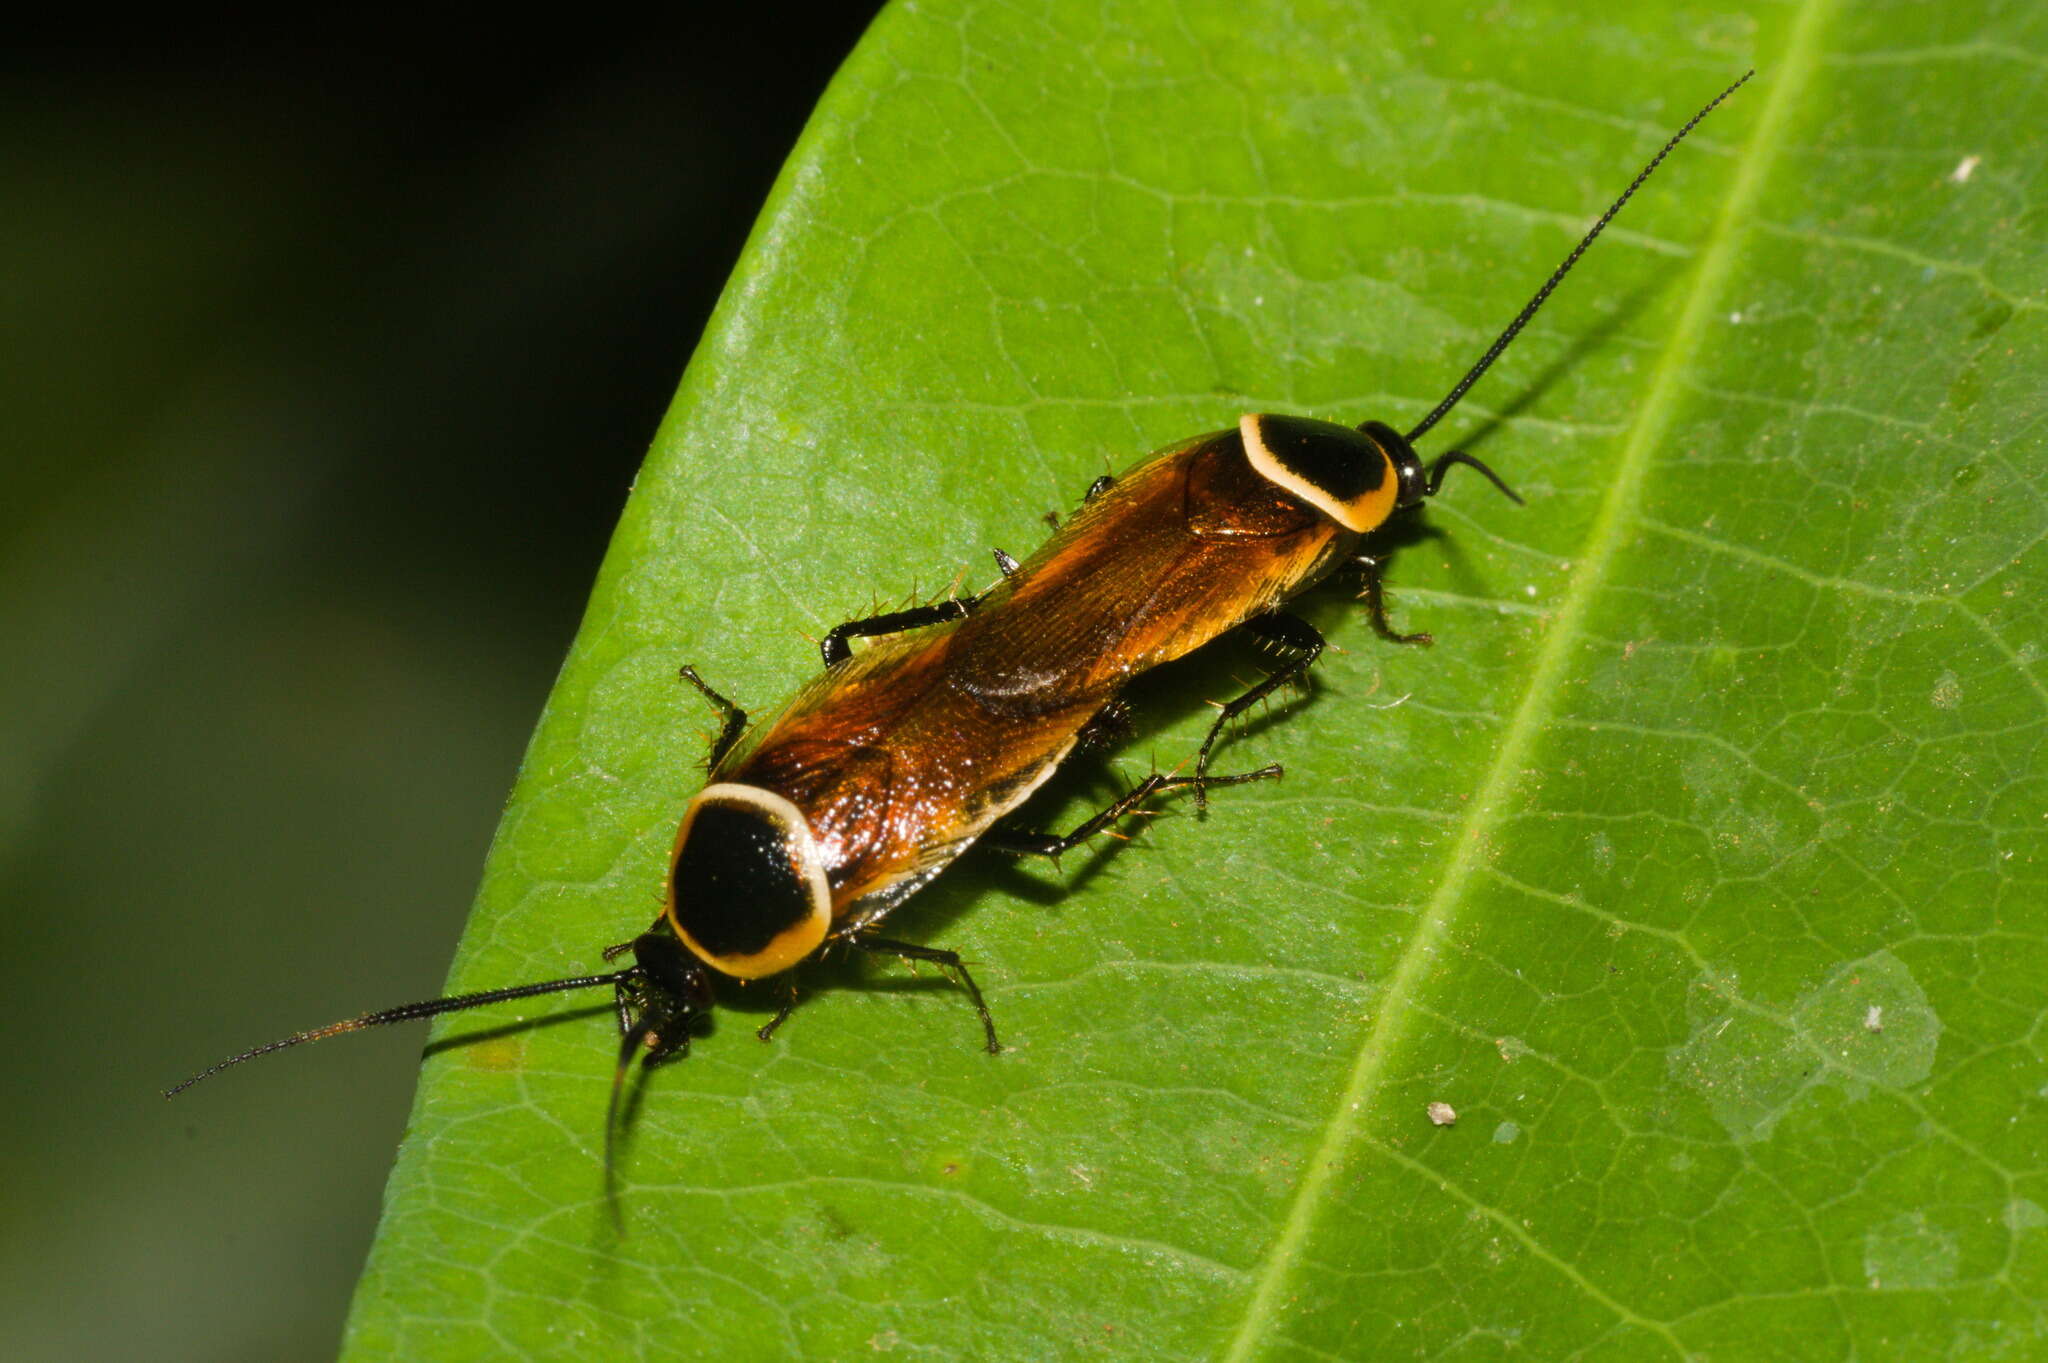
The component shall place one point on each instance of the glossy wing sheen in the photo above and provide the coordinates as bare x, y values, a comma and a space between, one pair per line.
898, 767
1186, 546
904, 754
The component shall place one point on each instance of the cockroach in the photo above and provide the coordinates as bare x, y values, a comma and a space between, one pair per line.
894, 760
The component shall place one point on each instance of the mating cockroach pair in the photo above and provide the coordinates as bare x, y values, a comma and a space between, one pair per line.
893, 761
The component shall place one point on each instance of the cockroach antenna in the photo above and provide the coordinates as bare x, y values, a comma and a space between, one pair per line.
1507, 337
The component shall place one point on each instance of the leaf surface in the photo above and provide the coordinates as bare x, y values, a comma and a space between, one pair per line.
1692, 866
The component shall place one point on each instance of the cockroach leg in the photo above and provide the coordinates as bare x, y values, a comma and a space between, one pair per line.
734, 720
782, 1013
1025, 843
1289, 635
1109, 728
1376, 603
1095, 489
948, 961
836, 650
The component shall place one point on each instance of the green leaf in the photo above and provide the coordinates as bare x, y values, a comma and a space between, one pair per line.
1699, 866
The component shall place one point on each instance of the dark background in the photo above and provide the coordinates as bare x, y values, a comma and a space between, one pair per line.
325, 377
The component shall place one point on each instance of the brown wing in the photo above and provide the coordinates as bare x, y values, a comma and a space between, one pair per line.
898, 768
1184, 547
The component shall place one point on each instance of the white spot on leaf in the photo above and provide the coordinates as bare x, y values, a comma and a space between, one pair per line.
1910, 1253
1754, 1063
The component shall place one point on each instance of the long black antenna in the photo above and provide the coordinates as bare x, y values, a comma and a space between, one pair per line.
1515, 327
406, 1012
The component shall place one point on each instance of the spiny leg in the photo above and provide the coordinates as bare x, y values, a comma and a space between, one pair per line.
1008, 566
628, 1004
1109, 727
836, 650
782, 1013
946, 960
1290, 635
1376, 603
627, 999
1095, 489
734, 721
1025, 843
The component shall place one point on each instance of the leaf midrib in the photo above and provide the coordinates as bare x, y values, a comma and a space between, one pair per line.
1617, 511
